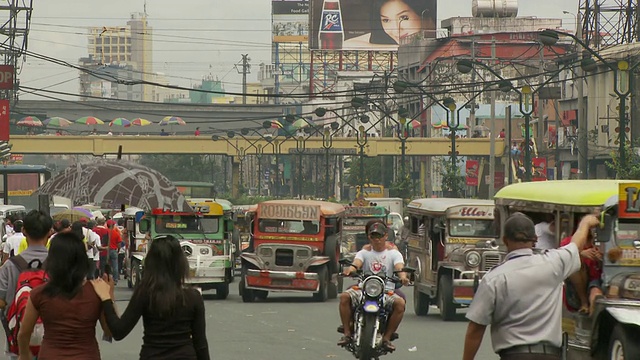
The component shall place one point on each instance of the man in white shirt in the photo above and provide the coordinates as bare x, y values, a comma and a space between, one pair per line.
12, 244
546, 233
93, 240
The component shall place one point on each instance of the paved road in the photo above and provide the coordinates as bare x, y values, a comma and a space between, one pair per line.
292, 327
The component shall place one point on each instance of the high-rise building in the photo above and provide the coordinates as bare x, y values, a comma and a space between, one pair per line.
130, 47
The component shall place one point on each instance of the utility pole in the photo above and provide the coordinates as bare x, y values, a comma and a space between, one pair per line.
492, 153
246, 69
541, 123
583, 140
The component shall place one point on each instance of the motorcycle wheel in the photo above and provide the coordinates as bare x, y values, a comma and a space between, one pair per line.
367, 337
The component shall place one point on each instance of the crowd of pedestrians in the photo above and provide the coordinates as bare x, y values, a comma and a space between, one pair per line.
67, 265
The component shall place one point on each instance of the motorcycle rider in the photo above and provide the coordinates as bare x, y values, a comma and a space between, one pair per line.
380, 258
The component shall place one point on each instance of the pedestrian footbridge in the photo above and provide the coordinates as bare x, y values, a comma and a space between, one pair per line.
251, 145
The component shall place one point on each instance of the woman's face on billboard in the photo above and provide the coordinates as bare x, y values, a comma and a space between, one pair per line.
399, 20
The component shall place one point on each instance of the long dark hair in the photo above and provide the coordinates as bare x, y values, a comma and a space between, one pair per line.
165, 270
378, 35
67, 265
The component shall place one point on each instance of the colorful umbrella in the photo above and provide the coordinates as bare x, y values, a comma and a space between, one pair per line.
30, 121
120, 122
57, 121
89, 120
172, 120
276, 124
140, 122
413, 124
300, 123
440, 125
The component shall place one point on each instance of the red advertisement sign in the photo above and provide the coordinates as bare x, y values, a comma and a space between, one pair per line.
498, 180
4, 120
539, 169
6, 77
473, 168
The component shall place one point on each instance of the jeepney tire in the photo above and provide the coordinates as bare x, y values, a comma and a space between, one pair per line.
222, 291
421, 302
332, 251
624, 343
248, 296
136, 273
445, 298
261, 294
323, 291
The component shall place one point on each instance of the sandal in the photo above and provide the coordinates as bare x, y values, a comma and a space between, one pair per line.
345, 340
388, 346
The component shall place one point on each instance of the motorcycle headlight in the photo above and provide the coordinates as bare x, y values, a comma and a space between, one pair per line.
373, 287
473, 259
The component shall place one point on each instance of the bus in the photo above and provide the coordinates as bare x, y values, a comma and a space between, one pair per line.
196, 189
19, 182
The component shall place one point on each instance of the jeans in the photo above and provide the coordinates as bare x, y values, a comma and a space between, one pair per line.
113, 261
103, 262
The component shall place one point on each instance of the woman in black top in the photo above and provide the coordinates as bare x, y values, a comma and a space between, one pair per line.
172, 314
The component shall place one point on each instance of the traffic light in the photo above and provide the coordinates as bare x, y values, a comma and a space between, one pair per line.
5, 150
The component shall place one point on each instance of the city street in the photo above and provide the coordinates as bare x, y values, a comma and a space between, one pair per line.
293, 327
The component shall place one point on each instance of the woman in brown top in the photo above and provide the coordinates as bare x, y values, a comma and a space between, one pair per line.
172, 314
68, 305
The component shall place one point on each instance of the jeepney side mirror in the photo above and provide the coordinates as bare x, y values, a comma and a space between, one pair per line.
144, 225
605, 230
438, 227
406, 220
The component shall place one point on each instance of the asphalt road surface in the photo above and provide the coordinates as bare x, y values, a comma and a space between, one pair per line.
292, 327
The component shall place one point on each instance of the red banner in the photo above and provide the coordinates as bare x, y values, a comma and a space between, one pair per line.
6, 77
4, 120
539, 169
498, 180
472, 167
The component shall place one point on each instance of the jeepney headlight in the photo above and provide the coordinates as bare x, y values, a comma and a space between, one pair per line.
204, 251
267, 252
373, 287
473, 259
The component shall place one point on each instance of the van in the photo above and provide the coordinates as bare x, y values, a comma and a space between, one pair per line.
8, 210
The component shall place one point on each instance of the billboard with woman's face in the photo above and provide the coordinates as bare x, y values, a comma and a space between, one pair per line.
369, 24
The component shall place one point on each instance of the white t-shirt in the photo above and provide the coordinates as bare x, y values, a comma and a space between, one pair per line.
375, 262
91, 241
546, 238
13, 243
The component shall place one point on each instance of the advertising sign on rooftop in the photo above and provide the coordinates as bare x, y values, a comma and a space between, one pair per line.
290, 21
369, 24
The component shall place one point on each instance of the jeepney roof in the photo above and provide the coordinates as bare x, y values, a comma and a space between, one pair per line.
564, 193
132, 211
226, 204
442, 204
326, 208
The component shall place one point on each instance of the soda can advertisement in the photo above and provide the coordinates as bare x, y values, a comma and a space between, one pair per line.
372, 25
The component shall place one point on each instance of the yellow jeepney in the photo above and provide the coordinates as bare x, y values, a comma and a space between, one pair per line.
612, 332
452, 243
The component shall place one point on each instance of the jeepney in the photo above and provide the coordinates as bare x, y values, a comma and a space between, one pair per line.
354, 236
201, 240
613, 330
295, 247
136, 245
452, 243
242, 231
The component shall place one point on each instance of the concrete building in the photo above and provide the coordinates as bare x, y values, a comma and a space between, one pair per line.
129, 47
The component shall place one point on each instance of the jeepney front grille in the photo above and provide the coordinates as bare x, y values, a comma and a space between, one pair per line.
284, 257
490, 259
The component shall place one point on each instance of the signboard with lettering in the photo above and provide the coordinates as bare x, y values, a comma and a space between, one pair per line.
207, 208
365, 211
4, 120
289, 211
471, 212
6, 77
628, 204
175, 226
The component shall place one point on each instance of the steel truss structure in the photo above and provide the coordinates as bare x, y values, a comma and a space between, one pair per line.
607, 23
16, 20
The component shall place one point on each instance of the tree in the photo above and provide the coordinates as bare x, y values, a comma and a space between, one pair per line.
184, 167
632, 169
372, 171
452, 182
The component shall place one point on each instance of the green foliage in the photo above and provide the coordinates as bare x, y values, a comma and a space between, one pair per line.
373, 171
249, 200
401, 187
184, 167
453, 183
632, 169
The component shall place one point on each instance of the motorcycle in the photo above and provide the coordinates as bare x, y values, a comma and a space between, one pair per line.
370, 316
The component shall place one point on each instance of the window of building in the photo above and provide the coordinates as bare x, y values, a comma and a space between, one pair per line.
107, 40
122, 48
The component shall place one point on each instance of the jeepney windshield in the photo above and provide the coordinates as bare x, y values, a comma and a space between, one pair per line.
472, 228
627, 233
289, 226
174, 224
210, 224
362, 221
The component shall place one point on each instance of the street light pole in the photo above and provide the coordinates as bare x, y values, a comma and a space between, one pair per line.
526, 108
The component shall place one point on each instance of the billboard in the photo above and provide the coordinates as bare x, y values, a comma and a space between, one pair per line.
290, 21
369, 24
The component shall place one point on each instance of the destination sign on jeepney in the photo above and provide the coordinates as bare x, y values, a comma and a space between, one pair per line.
485, 212
628, 204
289, 211
175, 226
364, 211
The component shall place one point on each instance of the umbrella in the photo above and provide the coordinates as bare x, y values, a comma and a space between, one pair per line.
140, 122
439, 125
276, 124
87, 212
89, 120
172, 120
117, 183
72, 215
57, 121
300, 123
30, 121
120, 122
414, 124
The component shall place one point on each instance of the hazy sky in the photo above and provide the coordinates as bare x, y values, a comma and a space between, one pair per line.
192, 38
